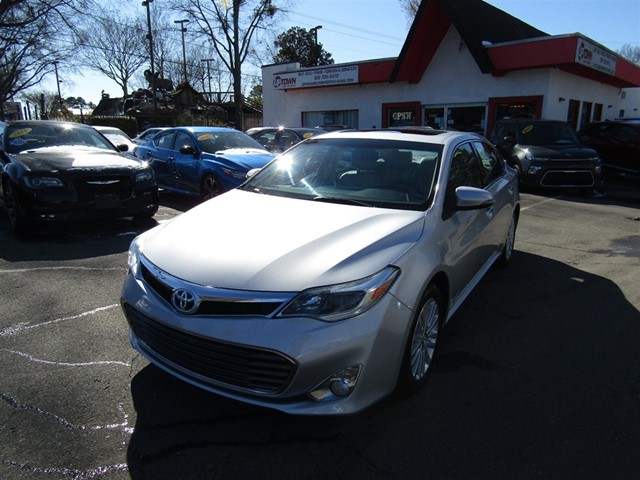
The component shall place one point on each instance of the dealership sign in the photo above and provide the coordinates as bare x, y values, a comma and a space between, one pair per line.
595, 57
319, 77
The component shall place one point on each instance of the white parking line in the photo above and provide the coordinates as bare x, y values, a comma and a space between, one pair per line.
21, 327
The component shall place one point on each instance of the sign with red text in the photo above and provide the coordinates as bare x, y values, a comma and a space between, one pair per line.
320, 77
595, 57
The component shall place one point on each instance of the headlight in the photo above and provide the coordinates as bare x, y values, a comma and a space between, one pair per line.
235, 173
338, 302
133, 257
43, 182
533, 158
146, 176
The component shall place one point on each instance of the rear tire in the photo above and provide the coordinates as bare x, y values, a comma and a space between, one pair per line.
422, 342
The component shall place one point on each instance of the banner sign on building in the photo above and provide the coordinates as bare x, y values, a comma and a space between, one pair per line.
595, 57
340, 75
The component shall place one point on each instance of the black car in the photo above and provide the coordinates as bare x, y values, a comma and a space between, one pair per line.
61, 171
547, 153
279, 139
617, 143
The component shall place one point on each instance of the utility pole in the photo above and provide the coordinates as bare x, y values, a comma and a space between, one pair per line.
146, 3
183, 29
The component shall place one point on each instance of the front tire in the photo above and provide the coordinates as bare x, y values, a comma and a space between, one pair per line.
20, 224
507, 251
209, 187
422, 342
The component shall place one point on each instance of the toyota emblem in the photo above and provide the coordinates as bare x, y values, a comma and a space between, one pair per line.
185, 301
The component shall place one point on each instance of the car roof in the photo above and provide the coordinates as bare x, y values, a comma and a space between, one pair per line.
411, 134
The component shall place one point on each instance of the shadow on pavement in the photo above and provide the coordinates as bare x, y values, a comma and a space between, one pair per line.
537, 377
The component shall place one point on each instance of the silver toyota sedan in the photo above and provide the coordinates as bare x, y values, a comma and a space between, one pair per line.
322, 283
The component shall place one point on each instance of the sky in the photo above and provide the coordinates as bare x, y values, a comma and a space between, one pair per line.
356, 30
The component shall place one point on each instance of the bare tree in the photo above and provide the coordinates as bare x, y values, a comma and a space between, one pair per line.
115, 46
33, 35
631, 53
410, 8
229, 27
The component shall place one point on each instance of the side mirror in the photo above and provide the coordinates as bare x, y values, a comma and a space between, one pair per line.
123, 147
252, 172
510, 139
188, 150
471, 198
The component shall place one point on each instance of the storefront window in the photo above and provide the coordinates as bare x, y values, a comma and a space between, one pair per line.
466, 119
434, 118
463, 119
331, 119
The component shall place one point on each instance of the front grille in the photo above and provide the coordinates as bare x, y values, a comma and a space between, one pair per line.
91, 187
210, 306
251, 369
568, 178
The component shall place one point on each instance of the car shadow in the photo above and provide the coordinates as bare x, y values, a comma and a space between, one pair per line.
537, 376
178, 202
69, 241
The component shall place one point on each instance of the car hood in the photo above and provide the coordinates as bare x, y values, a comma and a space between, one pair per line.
249, 241
63, 158
247, 158
568, 152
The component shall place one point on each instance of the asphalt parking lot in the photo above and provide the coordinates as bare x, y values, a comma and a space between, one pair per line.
538, 374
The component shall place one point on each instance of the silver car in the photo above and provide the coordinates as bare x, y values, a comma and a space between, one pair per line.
321, 284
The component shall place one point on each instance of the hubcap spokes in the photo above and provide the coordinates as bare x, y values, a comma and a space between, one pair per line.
424, 339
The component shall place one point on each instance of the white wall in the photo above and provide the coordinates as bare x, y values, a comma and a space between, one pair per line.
452, 78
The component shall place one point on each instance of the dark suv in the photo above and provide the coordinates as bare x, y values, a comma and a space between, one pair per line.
547, 153
617, 143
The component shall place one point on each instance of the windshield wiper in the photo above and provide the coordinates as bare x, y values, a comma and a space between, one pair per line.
346, 201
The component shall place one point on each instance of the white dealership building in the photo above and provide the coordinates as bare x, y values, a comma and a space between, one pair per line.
463, 65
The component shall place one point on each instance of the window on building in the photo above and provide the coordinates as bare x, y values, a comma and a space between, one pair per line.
573, 112
597, 112
466, 119
434, 118
585, 117
335, 118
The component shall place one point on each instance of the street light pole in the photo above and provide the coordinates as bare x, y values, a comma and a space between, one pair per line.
183, 29
314, 30
146, 3
55, 67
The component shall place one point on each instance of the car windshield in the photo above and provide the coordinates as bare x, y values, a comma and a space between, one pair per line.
20, 138
546, 134
371, 172
215, 141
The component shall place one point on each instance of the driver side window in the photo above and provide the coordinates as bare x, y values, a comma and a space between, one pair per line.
164, 140
184, 140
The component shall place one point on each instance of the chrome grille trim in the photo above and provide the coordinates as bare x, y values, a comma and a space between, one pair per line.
214, 301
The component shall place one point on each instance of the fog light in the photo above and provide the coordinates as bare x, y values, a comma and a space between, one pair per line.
338, 385
534, 170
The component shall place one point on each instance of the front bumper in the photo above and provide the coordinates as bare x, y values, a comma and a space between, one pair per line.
271, 362
42, 207
558, 176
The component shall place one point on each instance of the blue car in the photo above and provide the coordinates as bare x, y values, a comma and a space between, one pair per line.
202, 161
